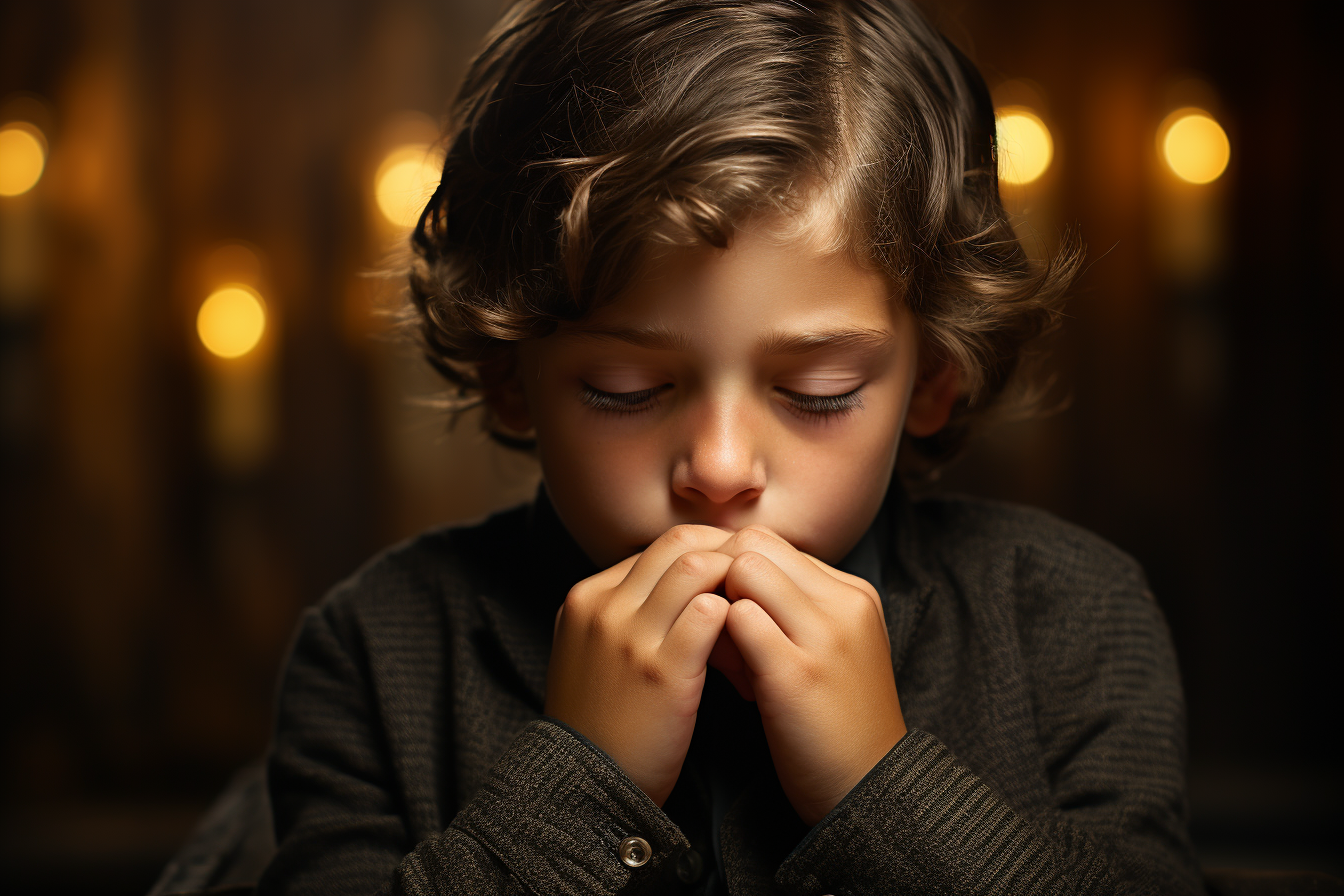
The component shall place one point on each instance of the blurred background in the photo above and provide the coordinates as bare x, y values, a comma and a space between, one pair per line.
204, 422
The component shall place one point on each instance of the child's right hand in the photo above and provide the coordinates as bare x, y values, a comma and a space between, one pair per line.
631, 646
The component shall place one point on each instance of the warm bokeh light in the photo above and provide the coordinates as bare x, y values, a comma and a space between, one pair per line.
23, 155
1025, 147
231, 321
1194, 145
405, 181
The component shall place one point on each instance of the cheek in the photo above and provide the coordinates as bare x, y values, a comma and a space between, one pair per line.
838, 483
838, 472
604, 481
595, 456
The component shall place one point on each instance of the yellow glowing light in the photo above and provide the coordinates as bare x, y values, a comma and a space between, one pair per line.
23, 155
231, 321
1025, 147
404, 182
1194, 145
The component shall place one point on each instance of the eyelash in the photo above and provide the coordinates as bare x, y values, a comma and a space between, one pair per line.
619, 402
821, 406
802, 404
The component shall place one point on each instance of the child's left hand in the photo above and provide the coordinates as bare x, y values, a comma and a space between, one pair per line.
814, 640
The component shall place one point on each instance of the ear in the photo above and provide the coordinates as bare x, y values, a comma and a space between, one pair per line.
502, 389
932, 397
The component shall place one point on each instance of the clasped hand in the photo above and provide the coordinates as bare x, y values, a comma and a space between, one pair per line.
808, 642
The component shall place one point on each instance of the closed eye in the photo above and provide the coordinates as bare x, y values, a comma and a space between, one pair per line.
823, 406
801, 403
621, 402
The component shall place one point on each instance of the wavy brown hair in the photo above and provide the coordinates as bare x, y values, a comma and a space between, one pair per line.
588, 130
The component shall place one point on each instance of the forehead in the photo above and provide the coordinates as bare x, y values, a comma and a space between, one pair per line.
776, 289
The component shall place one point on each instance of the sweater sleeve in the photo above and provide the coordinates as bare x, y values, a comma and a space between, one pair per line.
925, 823
549, 819
1113, 729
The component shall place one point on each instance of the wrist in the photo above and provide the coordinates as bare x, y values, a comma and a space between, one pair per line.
860, 765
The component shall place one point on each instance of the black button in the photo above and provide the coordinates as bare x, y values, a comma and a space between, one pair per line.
690, 866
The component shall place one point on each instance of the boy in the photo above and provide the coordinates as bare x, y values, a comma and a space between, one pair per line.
716, 262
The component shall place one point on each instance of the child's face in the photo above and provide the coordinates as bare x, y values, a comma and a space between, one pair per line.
765, 384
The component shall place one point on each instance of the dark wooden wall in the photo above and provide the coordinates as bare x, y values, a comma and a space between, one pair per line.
150, 584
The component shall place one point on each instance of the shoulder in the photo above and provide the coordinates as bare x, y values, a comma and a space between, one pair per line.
1001, 545
393, 621
1047, 570
1072, 608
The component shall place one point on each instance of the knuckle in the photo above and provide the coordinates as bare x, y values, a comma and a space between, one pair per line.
579, 598
866, 610
694, 565
711, 606
598, 626
869, 591
685, 536
749, 563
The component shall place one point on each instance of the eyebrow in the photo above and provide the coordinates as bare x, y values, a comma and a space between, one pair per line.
779, 343
652, 336
774, 342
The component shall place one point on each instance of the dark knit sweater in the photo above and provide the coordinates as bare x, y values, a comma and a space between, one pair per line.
1035, 674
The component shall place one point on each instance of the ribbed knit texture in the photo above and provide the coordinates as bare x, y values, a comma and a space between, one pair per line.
1034, 671
578, 802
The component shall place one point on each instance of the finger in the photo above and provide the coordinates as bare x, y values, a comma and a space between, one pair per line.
755, 577
613, 575
692, 636
805, 570
847, 577
653, 561
687, 575
599, 582
858, 582
813, 576
764, 646
728, 659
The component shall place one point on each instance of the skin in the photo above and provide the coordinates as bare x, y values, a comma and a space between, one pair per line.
729, 424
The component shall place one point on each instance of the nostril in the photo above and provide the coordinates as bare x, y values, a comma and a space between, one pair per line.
719, 470
701, 492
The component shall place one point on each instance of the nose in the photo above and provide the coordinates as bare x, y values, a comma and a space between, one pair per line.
721, 464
